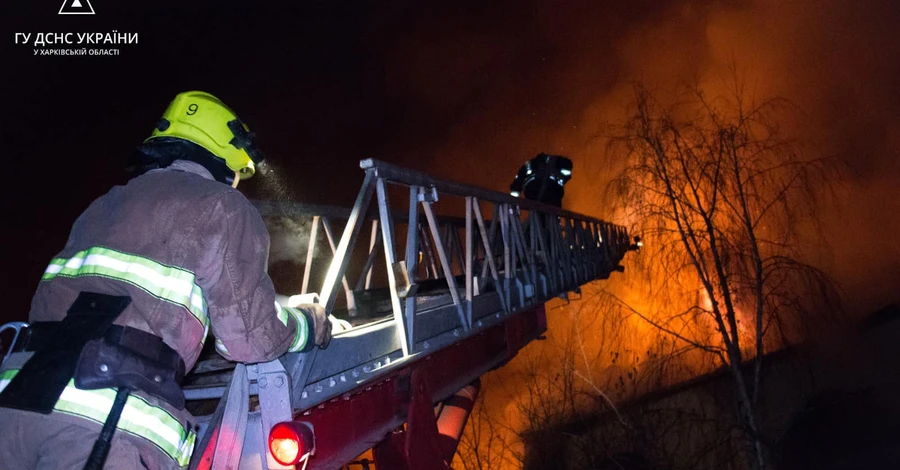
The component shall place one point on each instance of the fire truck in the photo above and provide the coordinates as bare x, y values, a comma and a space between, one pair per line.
451, 285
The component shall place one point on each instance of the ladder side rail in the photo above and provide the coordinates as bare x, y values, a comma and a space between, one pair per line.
351, 307
457, 247
390, 258
546, 266
584, 248
310, 253
555, 231
513, 252
489, 254
413, 248
596, 248
527, 234
556, 248
603, 244
496, 234
431, 269
532, 247
519, 261
507, 255
613, 245
534, 252
467, 264
447, 242
365, 279
17, 327
341, 259
510, 240
524, 253
618, 244
489, 235
592, 249
575, 250
568, 253
598, 239
581, 243
413, 177
550, 227
445, 262
572, 252
374, 240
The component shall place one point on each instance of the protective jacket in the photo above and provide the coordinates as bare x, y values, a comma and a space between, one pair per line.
191, 253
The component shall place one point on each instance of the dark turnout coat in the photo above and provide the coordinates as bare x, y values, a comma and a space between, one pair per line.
191, 253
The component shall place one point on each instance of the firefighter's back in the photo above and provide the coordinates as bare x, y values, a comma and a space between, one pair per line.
148, 240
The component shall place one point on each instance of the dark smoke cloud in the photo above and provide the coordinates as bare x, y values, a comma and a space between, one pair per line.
486, 87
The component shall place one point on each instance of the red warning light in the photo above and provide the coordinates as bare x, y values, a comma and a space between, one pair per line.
290, 441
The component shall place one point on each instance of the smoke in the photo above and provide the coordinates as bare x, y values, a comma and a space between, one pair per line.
289, 236
289, 239
270, 184
486, 87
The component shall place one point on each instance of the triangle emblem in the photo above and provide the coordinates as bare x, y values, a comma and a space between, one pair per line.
76, 7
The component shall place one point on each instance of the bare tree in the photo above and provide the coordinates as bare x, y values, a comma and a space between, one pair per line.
549, 388
487, 443
724, 200
571, 397
584, 401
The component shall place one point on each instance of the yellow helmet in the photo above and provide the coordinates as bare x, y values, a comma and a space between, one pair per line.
203, 119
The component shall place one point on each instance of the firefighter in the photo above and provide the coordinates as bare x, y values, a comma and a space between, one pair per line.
148, 269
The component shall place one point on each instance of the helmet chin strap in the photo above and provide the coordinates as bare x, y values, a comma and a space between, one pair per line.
237, 179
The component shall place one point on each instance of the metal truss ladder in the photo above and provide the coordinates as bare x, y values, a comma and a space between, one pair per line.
464, 273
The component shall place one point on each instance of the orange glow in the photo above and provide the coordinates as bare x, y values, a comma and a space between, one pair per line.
781, 49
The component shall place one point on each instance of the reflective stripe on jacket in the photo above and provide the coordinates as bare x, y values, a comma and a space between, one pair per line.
139, 417
163, 282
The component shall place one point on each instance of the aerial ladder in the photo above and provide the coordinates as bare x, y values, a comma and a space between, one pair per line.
451, 285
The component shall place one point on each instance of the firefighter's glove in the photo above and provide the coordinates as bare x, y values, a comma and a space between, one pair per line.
319, 324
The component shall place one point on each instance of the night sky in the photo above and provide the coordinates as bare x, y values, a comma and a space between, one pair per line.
466, 90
